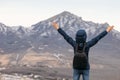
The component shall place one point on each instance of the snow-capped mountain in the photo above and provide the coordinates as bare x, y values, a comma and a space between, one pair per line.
42, 37
70, 23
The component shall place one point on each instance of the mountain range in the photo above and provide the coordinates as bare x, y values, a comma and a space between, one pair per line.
42, 37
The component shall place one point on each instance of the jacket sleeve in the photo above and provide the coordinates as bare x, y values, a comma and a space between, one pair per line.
66, 37
97, 38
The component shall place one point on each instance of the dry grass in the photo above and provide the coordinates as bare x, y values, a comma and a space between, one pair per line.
4, 59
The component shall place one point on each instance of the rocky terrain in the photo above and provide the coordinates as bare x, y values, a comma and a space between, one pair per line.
38, 67
49, 66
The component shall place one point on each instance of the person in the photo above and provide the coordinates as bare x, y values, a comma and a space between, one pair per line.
81, 33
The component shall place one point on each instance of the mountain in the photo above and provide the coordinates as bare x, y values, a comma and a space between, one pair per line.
12, 40
70, 23
42, 37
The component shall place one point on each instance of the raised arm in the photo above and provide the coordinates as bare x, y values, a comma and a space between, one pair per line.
66, 37
109, 28
100, 36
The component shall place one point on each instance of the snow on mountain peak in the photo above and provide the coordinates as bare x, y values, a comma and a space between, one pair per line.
69, 22
63, 19
43, 33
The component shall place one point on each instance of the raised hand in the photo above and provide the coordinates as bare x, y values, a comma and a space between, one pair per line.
55, 25
109, 28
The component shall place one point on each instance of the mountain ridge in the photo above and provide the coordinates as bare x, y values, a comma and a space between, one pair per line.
39, 37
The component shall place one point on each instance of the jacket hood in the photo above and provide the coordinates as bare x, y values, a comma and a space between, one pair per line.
81, 36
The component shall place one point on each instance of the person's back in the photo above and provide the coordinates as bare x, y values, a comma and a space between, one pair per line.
80, 40
80, 60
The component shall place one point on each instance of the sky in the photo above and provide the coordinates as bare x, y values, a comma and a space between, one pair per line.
29, 12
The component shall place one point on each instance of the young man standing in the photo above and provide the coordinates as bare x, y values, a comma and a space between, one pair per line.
81, 44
